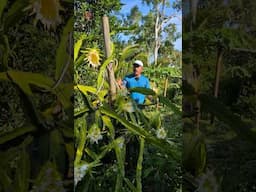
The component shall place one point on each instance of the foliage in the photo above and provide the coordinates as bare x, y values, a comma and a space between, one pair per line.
36, 129
120, 147
214, 37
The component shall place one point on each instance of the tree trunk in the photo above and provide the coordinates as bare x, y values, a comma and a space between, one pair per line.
157, 29
110, 71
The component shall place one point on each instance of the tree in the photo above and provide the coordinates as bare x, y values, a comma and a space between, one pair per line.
155, 29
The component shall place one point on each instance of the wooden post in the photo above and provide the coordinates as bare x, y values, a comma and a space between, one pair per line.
217, 73
217, 77
106, 35
111, 75
165, 86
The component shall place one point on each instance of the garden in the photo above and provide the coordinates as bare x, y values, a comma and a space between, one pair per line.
119, 146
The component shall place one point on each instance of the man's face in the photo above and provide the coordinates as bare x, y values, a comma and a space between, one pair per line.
137, 70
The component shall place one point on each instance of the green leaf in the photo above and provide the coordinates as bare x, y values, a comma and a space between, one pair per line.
64, 94
67, 131
217, 108
15, 13
107, 121
62, 57
131, 127
2, 6
81, 111
80, 60
5, 180
129, 51
25, 79
100, 78
84, 89
23, 174
130, 185
17, 133
3, 76
143, 90
162, 144
81, 125
148, 171
56, 142
70, 151
93, 155
77, 47
169, 104
6, 52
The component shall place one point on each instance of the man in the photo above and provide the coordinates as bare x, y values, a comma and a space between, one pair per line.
136, 80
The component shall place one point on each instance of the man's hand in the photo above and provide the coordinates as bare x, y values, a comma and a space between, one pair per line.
120, 83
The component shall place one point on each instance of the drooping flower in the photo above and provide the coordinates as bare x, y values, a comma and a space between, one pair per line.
154, 88
120, 142
80, 172
49, 179
161, 133
93, 57
94, 134
208, 182
47, 11
125, 104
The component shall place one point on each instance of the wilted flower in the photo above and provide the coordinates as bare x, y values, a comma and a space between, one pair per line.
129, 107
154, 88
120, 142
161, 133
94, 134
208, 182
48, 179
80, 172
47, 11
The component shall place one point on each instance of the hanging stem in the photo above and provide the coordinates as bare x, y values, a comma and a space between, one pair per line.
120, 154
139, 165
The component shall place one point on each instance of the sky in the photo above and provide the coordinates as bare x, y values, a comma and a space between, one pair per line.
145, 9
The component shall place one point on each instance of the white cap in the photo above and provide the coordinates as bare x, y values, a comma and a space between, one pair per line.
138, 62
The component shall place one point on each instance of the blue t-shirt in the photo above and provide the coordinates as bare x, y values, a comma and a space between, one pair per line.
130, 82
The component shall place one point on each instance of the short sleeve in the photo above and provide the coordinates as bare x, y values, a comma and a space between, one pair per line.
125, 82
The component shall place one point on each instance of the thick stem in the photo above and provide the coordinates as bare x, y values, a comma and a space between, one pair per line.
197, 111
139, 165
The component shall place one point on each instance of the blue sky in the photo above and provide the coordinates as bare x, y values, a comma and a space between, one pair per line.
145, 9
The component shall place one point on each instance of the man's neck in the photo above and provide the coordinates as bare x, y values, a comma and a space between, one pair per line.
137, 76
